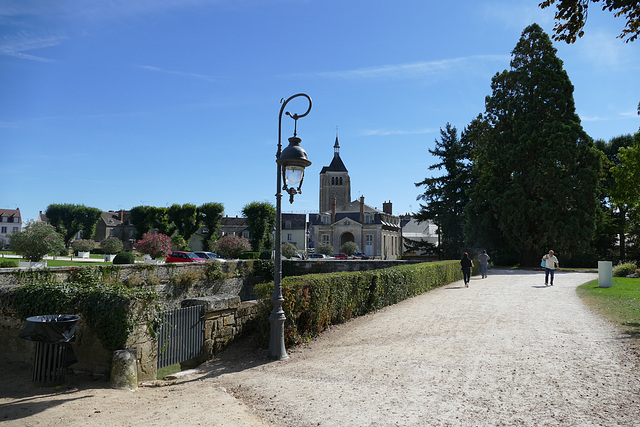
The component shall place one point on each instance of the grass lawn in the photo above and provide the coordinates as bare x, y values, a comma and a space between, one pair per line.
620, 303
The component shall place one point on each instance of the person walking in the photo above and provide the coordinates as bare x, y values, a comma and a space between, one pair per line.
550, 264
484, 263
466, 264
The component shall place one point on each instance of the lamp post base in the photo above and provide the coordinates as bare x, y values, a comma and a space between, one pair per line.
277, 350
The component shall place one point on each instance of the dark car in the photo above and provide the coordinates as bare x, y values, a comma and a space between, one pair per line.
208, 255
359, 255
181, 256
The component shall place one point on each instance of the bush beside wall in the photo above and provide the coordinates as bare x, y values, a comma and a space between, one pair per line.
315, 301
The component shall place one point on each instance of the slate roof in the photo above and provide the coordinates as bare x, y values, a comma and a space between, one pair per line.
336, 164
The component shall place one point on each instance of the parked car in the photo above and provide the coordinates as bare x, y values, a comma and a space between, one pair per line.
341, 256
359, 255
181, 256
312, 256
208, 256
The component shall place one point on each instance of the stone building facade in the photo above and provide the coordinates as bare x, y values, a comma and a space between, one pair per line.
376, 232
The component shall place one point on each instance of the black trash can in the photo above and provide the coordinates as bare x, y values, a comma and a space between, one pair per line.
52, 334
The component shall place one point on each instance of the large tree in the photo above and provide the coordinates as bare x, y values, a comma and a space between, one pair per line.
625, 194
210, 215
571, 17
69, 219
183, 219
615, 211
446, 196
261, 218
536, 169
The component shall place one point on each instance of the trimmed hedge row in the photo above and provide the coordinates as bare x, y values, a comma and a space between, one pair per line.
313, 302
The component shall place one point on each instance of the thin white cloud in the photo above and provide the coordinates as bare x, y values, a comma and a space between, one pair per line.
178, 73
416, 69
19, 44
623, 115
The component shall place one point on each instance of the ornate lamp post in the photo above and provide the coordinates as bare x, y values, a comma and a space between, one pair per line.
291, 163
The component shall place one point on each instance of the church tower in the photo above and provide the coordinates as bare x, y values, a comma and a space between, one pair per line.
334, 182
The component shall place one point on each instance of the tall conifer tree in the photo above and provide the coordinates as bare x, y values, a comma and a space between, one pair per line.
536, 169
446, 196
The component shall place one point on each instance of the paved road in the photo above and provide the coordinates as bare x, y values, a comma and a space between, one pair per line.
506, 351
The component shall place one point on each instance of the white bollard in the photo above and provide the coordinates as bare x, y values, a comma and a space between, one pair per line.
605, 274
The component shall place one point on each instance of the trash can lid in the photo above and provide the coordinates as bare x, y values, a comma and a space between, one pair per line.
54, 318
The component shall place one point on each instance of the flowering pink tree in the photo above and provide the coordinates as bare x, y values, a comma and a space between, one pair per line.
154, 245
232, 246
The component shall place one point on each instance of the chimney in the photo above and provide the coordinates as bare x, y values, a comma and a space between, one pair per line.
121, 215
361, 209
333, 209
387, 207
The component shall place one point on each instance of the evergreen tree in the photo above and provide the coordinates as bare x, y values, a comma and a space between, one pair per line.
536, 169
446, 196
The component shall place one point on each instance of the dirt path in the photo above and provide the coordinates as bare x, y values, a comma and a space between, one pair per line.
505, 351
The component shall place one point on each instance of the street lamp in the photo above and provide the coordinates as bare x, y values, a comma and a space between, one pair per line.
291, 163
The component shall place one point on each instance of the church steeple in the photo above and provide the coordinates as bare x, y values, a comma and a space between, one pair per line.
334, 182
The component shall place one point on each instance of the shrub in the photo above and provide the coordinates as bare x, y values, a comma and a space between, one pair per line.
37, 240
111, 245
249, 255
124, 258
315, 301
265, 255
154, 245
623, 270
83, 245
289, 250
349, 248
7, 263
324, 248
232, 246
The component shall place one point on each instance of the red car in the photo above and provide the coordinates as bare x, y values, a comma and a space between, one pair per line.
340, 256
181, 256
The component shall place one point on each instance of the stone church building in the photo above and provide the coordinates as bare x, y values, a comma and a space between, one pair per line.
376, 232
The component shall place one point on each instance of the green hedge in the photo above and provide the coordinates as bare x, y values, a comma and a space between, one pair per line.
315, 301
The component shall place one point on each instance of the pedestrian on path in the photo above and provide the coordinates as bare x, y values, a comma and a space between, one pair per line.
550, 264
466, 264
484, 263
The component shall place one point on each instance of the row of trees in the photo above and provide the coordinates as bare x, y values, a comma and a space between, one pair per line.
524, 177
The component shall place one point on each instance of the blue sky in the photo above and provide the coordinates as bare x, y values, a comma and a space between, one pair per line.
119, 103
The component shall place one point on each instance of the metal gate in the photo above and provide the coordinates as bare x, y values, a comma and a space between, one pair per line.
181, 335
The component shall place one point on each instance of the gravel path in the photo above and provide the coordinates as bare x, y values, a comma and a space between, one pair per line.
506, 351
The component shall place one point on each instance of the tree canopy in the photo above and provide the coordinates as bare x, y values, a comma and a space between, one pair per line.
571, 17
261, 218
69, 219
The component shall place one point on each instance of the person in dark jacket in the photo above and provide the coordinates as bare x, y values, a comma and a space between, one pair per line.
466, 264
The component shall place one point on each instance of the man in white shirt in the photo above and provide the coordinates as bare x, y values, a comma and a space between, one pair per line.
550, 265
